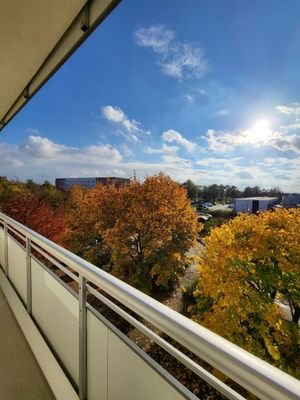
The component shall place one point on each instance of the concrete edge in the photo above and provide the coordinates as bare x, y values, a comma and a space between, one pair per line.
57, 380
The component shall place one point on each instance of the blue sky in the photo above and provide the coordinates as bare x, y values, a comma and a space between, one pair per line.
206, 90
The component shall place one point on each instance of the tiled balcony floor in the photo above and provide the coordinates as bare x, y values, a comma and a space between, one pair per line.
20, 375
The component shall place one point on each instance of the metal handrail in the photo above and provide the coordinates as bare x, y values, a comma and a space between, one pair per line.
252, 373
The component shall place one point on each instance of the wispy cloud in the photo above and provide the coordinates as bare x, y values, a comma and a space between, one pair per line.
202, 91
213, 161
176, 59
221, 113
184, 61
290, 109
157, 37
244, 175
174, 136
128, 136
165, 149
189, 98
126, 150
291, 127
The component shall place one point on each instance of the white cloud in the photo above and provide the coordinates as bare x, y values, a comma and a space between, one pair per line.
174, 136
202, 91
158, 37
128, 136
41, 150
116, 115
222, 141
286, 142
244, 175
126, 150
189, 97
291, 127
165, 149
41, 158
221, 113
184, 61
282, 177
291, 109
213, 161
176, 59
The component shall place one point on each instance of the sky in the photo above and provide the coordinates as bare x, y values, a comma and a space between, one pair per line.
202, 90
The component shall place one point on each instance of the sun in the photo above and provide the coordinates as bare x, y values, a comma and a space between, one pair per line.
260, 132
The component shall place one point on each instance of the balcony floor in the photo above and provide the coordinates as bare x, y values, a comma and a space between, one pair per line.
20, 375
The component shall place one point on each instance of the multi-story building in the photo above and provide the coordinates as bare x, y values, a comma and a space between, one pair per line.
67, 183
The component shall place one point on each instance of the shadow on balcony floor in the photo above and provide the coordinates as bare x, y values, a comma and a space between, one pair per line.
20, 375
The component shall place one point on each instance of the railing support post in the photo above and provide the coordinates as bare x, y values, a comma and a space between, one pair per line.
28, 276
5, 249
82, 339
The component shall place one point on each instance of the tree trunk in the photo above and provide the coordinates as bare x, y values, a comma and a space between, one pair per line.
296, 315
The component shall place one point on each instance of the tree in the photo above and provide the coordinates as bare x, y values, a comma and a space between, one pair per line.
149, 228
192, 190
249, 265
83, 213
231, 192
19, 203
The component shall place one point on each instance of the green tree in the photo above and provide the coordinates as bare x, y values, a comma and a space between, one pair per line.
192, 190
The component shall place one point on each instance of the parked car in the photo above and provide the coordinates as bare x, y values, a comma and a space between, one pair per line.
203, 217
202, 208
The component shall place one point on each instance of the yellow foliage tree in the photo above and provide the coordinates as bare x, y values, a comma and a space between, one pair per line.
146, 228
149, 227
83, 212
250, 265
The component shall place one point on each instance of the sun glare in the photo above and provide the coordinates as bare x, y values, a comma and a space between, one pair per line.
260, 131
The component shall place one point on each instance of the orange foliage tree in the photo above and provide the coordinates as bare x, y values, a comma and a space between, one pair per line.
249, 266
83, 213
21, 204
147, 228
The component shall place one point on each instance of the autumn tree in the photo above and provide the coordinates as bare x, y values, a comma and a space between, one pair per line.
249, 266
17, 201
149, 227
83, 213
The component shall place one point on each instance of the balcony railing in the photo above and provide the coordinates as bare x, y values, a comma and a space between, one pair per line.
99, 360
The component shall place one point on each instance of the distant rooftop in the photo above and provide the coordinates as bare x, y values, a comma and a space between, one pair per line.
257, 198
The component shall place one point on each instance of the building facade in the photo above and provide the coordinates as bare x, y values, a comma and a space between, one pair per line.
254, 204
89, 183
291, 200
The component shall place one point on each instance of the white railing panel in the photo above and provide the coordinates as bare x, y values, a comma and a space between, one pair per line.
97, 340
132, 374
2, 248
17, 267
131, 378
56, 311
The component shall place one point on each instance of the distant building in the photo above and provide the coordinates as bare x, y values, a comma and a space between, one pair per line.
67, 183
254, 204
291, 200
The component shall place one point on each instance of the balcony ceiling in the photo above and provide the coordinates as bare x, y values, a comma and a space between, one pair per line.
36, 37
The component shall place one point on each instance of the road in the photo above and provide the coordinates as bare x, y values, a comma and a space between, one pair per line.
220, 207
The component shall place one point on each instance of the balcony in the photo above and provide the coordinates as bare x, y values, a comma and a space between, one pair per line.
84, 354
